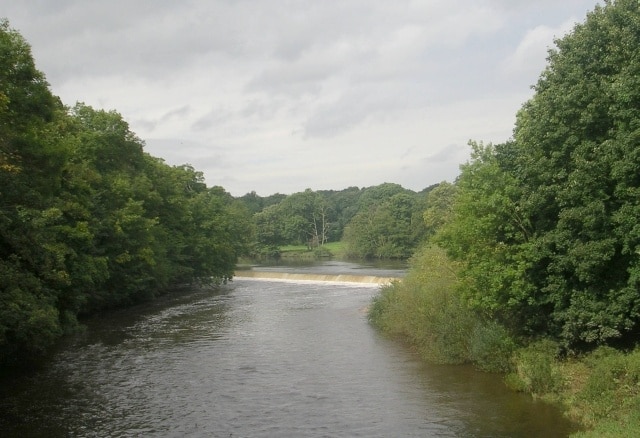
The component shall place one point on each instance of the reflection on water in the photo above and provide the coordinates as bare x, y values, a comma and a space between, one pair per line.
259, 359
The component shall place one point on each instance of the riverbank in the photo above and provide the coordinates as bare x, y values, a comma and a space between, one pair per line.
599, 390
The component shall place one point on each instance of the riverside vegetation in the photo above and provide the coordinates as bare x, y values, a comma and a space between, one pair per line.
533, 269
88, 220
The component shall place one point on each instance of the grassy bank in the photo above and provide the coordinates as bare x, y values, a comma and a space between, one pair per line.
600, 390
330, 249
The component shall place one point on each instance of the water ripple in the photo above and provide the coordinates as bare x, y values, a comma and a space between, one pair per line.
263, 359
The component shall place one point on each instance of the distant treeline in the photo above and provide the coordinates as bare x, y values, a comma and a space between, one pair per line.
382, 222
88, 220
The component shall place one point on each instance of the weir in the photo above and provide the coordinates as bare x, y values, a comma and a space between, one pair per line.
333, 278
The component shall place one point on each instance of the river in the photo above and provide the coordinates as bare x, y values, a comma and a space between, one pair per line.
259, 358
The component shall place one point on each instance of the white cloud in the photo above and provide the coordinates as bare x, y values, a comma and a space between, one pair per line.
279, 96
531, 53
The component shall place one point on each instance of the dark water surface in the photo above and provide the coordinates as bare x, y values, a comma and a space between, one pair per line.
259, 358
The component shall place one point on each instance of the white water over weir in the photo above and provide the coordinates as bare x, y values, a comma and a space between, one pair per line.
331, 278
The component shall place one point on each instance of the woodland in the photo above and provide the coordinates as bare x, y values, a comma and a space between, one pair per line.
88, 220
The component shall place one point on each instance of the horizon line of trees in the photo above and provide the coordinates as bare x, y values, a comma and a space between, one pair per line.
378, 222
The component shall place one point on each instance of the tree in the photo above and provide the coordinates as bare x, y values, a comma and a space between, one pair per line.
487, 231
31, 160
256, 203
438, 208
268, 230
383, 230
579, 136
343, 205
375, 195
300, 218
547, 223
88, 221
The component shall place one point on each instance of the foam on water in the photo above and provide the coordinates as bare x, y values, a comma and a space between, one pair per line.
360, 280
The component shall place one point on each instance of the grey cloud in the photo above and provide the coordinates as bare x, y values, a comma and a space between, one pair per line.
145, 124
408, 152
176, 113
141, 38
213, 118
293, 80
447, 154
246, 74
178, 151
262, 108
363, 103
150, 124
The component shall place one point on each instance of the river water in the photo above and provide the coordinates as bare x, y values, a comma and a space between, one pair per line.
259, 358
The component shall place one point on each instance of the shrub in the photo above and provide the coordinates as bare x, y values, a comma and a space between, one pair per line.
535, 369
611, 395
492, 347
427, 309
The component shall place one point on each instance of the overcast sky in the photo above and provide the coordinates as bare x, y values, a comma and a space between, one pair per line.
283, 95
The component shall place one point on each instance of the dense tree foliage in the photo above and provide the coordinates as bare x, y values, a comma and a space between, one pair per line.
343, 207
383, 221
256, 203
382, 229
303, 218
547, 224
88, 220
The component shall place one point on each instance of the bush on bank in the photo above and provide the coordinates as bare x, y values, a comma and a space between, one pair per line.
601, 390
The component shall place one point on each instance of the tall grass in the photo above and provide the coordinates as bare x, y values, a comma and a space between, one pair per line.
600, 390
330, 249
536, 369
609, 400
429, 310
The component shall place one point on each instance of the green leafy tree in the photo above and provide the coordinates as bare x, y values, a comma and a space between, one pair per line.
30, 173
578, 150
438, 207
221, 233
255, 203
343, 205
305, 218
300, 218
382, 230
88, 221
375, 195
269, 232
488, 232
547, 224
